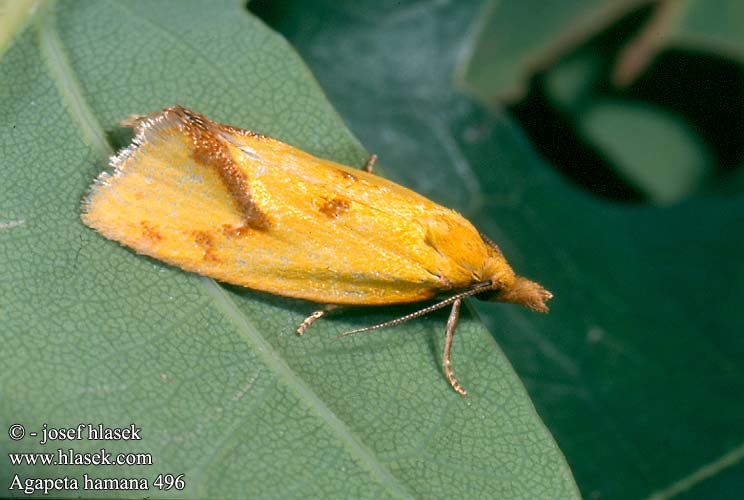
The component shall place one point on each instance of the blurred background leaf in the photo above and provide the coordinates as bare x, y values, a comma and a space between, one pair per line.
621, 190
221, 387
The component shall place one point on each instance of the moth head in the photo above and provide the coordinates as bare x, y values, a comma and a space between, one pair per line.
523, 292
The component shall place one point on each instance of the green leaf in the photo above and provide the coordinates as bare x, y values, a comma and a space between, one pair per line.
717, 25
626, 81
613, 125
512, 38
222, 389
637, 369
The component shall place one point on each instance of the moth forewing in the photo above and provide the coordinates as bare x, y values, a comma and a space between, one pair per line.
247, 209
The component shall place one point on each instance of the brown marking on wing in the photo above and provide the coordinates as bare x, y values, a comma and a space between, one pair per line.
346, 175
205, 241
210, 150
241, 131
351, 179
149, 232
334, 207
235, 232
249, 133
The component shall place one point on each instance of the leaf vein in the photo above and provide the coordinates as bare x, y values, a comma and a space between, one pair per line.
63, 76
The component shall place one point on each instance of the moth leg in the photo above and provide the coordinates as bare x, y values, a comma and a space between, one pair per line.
370, 165
316, 315
449, 334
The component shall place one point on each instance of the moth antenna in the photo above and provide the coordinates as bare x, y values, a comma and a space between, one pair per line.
488, 241
481, 287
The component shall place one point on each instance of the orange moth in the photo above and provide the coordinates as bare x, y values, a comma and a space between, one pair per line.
247, 209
